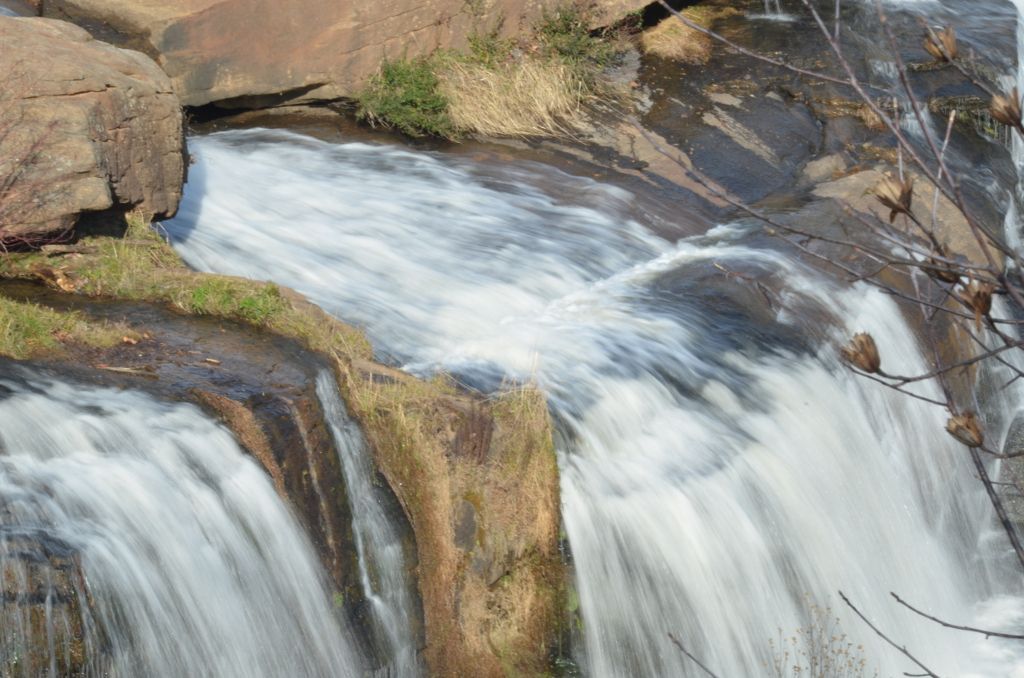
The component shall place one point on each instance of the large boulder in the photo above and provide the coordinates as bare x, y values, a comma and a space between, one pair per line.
84, 127
856, 191
254, 53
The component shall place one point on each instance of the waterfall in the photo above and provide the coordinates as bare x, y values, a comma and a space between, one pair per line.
381, 561
1012, 223
721, 473
190, 564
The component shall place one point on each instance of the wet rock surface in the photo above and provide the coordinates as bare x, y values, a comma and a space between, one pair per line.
1011, 472
259, 386
43, 595
761, 132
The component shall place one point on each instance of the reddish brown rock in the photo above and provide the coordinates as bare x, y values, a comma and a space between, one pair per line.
84, 126
247, 51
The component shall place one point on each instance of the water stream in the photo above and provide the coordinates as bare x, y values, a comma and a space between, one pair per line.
1012, 225
379, 546
191, 562
721, 473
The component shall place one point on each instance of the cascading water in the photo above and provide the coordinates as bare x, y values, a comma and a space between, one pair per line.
190, 564
720, 470
1012, 224
381, 559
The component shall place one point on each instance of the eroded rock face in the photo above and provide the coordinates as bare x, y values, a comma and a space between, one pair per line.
251, 50
44, 602
84, 127
478, 482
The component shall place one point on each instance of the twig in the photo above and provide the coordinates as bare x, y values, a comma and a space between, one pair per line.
903, 650
997, 504
750, 53
691, 657
987, 634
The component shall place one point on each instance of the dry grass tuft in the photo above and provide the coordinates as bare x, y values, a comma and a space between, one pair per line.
671, 39
526, 98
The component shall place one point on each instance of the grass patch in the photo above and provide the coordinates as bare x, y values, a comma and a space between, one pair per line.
564, 34
490, 49
143, 267
536, 86
521, 412
29, 330
234, 297
406, 95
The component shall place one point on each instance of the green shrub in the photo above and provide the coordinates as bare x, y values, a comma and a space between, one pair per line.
488, 49
564, 34
405, 95
497, 87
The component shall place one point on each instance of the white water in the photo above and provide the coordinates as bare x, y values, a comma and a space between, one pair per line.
194, 564
381, 562
720, 470
773, 12
1012, 224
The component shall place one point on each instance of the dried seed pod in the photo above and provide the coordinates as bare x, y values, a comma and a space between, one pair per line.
1006, 108
862, 353
966, 428
978, 295
896, 195
942, 44
940, 270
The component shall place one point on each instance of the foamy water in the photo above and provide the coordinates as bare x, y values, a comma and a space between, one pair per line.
193, 564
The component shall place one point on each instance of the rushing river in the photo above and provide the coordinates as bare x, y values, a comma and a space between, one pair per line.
191, 565
721, 473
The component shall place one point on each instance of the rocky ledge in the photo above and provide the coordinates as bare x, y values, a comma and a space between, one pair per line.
473, 479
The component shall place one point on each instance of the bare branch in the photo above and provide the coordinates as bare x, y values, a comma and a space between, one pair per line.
690, 656
997, 504
747, 52
903, 650
984, 632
